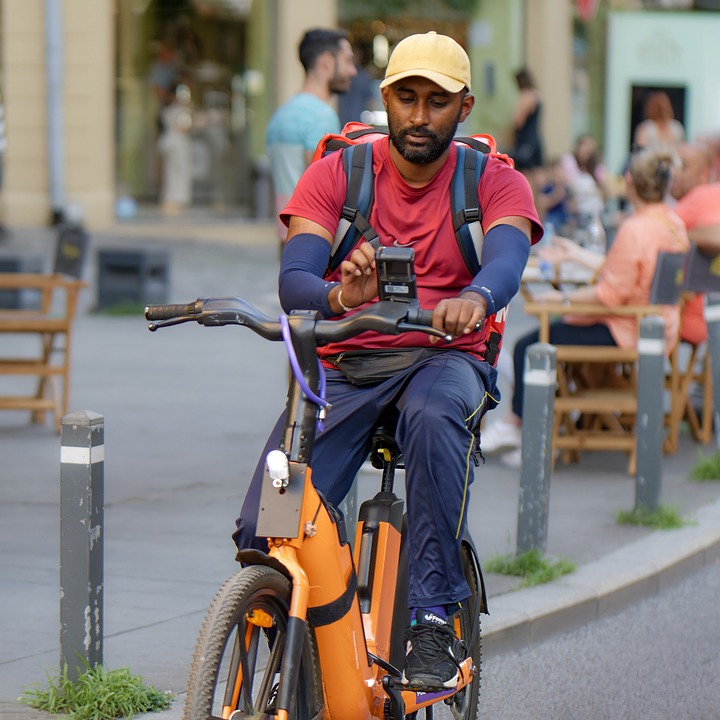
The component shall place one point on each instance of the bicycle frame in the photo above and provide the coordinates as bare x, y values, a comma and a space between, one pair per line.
309, 546
351, 615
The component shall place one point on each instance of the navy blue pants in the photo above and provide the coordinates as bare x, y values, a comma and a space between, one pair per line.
440, 402
561, 333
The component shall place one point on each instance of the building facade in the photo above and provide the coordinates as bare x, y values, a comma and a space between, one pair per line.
91, 86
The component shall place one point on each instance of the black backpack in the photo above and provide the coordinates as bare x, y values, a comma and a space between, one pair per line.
355, 143
356, 140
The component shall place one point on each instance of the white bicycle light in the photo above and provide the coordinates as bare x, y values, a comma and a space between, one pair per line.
278, 467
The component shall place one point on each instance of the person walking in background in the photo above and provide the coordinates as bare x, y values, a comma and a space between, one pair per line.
363, 94
699, 207
297, 126
659, 128
625, 279
528, 147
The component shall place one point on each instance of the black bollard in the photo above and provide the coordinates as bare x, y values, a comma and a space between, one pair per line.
649, 419
540, 381
81, 541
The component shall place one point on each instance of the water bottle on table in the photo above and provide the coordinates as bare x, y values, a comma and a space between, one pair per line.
595, 238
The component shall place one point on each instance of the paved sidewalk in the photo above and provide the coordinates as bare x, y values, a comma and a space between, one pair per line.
186, 412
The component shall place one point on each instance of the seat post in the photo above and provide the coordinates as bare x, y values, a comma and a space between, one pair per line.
388, 474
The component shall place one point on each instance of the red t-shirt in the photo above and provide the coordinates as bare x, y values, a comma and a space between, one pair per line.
403, 215
701, 206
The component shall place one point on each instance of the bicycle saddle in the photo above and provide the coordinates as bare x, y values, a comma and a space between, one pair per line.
383, 448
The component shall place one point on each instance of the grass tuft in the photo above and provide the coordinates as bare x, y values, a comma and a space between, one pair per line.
532, 566
707, 467
97, 694
665, 517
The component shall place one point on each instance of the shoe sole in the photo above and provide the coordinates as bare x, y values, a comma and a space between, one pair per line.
428, 683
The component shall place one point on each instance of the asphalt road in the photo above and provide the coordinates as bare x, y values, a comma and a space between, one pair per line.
657, 660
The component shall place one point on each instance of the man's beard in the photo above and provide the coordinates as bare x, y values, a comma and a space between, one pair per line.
339, 85
428, 153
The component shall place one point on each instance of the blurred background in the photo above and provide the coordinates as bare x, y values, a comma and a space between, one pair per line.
84, 84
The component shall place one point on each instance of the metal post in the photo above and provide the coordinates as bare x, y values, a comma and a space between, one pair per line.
712, 318
649, 417
540, 379
54, 54
81, 541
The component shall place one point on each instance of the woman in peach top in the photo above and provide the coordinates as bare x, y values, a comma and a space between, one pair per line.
625, 279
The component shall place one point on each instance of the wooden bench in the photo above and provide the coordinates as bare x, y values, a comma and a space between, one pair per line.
52, 323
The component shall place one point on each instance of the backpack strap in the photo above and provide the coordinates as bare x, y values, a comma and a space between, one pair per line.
465, 205
477, 143
464, 202
357, 163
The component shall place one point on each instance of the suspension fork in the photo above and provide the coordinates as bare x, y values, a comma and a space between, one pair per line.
290, 667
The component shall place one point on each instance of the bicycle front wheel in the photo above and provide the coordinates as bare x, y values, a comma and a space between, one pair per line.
235, 670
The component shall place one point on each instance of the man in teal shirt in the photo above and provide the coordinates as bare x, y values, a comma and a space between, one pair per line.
296, 127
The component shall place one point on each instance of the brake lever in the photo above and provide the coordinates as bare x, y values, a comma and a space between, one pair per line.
157, 324
425, 329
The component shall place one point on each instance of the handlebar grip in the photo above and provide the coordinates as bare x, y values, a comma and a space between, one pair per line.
424, 317
168, 312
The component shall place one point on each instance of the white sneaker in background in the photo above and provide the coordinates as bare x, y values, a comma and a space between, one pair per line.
501, 435
512, 459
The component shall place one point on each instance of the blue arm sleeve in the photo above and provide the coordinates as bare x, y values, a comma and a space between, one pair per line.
504, 256
302, 266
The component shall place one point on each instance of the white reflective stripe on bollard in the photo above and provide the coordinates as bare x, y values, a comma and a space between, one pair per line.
712, 312
540, 377
82, 455
651, 346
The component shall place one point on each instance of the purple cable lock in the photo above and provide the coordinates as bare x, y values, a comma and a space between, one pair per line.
319, 400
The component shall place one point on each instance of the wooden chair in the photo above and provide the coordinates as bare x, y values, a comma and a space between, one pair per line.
596, 398
689, 365
701, 426
52, 323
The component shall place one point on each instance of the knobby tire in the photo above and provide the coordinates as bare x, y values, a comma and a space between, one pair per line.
226, 628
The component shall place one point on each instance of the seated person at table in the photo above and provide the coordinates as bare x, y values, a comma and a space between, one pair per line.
698, 206
625, 279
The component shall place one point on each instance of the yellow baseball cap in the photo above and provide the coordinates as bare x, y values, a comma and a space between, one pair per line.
435, 57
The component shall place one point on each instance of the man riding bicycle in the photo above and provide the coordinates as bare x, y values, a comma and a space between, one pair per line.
440, 391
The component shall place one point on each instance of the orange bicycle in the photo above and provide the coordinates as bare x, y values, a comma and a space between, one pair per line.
311, 628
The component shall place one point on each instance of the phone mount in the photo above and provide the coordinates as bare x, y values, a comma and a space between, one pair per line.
396, 274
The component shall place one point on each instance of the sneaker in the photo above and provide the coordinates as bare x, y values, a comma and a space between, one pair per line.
500, 436
512, 459
432, 654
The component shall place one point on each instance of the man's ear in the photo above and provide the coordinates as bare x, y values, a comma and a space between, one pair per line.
467, 105
325, 64
384, 95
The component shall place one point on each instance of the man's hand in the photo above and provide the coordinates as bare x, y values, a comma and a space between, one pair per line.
461, 315
358, 276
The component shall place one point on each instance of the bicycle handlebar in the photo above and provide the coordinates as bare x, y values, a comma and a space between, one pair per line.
386, 317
